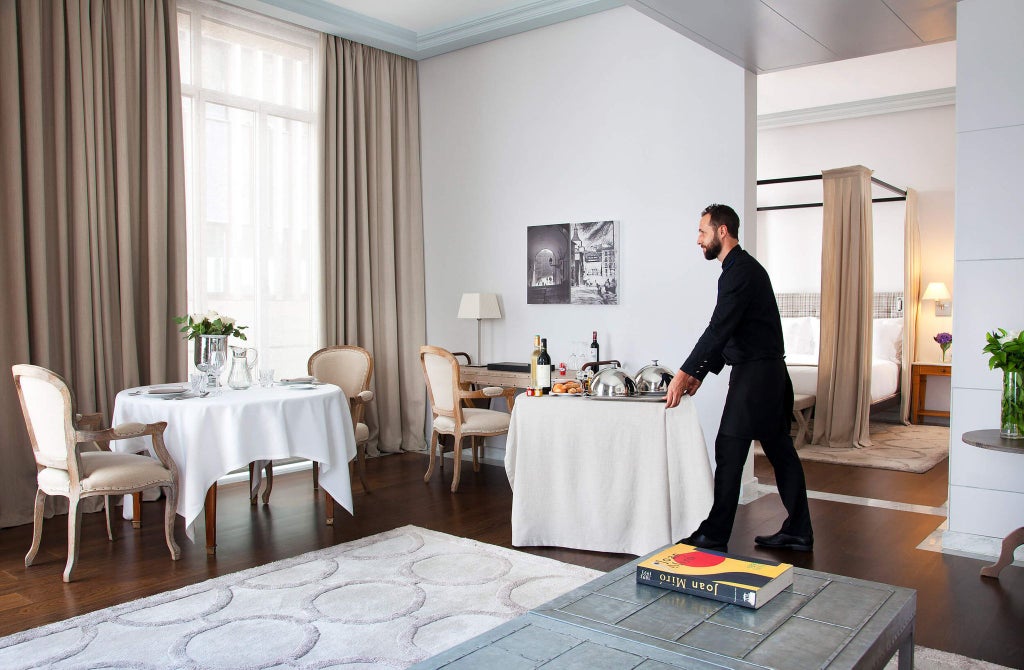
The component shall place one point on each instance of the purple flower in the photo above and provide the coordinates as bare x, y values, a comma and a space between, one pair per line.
944, 339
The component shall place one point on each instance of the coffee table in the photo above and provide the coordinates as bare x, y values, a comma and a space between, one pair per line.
822, 621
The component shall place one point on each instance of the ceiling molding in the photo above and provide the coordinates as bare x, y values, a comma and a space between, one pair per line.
850, 110
330, 18
508, 22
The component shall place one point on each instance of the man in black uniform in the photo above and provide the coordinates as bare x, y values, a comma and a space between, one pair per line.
745, 332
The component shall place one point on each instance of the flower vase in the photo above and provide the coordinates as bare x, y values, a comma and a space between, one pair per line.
945, 355
205, 346
1011, 416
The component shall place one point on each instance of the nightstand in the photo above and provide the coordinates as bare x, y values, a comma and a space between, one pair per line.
919, 373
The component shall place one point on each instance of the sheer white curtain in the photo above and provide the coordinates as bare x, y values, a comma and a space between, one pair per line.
249, 101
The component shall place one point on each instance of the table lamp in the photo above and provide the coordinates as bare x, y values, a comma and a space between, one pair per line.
479, 306
938, 292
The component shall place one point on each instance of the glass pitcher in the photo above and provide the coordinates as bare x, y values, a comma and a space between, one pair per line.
240, 376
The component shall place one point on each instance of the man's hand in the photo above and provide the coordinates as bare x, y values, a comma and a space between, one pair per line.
682, 384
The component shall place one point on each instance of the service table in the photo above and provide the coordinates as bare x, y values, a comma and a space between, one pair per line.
211, 436
614, 476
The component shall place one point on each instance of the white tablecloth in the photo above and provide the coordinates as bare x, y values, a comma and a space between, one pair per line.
616, 476
209, 437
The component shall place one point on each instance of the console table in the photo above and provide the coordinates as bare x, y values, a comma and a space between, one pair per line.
821, 621
990, 439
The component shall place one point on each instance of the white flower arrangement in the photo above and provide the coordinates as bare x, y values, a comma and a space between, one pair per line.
210, 323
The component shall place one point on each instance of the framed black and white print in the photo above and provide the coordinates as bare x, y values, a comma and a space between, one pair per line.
573, 263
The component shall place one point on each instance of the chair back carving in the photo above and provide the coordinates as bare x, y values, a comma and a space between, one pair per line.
47, 404
346, 366
441, 371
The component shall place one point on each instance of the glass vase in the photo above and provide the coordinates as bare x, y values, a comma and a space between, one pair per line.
1011, 416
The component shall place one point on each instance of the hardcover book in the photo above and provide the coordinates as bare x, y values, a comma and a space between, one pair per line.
750, 582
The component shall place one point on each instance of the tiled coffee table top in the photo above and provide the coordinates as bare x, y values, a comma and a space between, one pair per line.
822, 621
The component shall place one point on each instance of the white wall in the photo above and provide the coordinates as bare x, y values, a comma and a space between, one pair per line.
610, 116
986, 493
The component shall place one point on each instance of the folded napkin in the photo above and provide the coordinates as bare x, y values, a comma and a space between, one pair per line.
167, 388
299, 380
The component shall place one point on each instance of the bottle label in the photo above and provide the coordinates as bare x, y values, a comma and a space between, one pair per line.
592, 356
543, 376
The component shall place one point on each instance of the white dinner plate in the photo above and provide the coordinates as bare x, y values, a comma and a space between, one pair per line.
168, 389
306, 381
299, 387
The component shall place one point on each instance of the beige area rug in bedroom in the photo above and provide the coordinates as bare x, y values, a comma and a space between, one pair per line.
896, 447
385, 601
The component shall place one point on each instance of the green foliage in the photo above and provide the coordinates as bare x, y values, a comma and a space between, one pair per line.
211, 323
1006, 350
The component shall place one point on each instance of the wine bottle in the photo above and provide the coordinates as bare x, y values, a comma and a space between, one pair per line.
595, 349
533, 361
544, 367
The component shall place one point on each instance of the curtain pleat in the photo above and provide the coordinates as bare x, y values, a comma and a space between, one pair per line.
372, 230
92, 207
911, 299
843, 403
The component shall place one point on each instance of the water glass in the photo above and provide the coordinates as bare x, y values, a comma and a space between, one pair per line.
266, 377
198, 382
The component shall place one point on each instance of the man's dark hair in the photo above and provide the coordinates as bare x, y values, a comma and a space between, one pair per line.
724, 215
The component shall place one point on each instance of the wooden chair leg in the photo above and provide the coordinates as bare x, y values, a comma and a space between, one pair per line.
37, 527
107, 513
137, 510
170, 511
270, 482
433, 456
361, 458
329, 508
457, 454
74, 527
253, 494
476, 445
316, 476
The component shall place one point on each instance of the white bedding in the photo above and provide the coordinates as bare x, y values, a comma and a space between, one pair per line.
803, 370
801, 342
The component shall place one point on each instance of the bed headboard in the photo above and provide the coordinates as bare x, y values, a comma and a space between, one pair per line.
886, 304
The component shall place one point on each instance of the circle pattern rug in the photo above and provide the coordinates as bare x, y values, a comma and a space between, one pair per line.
384, 601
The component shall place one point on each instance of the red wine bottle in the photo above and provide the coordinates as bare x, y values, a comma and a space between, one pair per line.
595, 349
544, 367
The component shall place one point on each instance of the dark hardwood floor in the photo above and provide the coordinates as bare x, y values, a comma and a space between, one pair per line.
957, 610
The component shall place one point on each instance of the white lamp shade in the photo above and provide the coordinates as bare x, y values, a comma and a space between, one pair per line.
936, 291
479, 306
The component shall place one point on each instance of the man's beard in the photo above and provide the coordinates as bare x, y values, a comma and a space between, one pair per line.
713, 249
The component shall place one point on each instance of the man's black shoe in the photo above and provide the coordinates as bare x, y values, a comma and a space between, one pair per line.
785, 541
702, 541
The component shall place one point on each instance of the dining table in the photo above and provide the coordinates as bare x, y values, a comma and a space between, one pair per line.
611, 475
227, 429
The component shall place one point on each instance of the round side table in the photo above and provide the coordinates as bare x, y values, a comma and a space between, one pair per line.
990, 439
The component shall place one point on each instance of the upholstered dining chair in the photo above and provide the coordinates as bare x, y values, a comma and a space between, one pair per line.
64, 469
350, 368
447, 396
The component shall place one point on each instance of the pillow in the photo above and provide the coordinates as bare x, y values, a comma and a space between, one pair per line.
800, 335
887, 340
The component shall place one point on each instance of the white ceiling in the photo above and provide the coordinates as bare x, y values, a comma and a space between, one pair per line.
760, 35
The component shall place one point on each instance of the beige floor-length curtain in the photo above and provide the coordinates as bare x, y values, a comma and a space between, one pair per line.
911, 299
847, 278
372, 230
92, 205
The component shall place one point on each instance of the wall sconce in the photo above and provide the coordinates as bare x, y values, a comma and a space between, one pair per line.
938, 292
479, 306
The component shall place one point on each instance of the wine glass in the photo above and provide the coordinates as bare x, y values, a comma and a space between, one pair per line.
216, 366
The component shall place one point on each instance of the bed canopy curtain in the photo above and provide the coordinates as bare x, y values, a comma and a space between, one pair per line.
371, 226
844, 364
92, 204
911, 299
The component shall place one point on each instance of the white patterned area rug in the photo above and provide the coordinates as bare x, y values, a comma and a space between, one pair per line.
385, 601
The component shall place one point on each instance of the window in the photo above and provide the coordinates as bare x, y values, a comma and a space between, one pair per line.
249, 103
